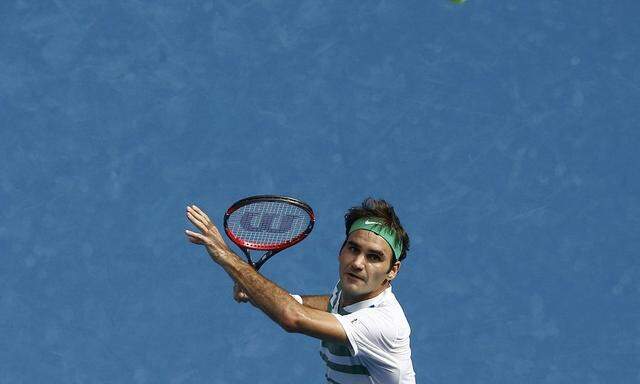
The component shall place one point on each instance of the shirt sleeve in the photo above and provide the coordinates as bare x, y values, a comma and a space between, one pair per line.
370, 331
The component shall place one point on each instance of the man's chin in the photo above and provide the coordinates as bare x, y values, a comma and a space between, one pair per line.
353, 288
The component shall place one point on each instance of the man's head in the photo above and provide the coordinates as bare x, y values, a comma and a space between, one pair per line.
375, 245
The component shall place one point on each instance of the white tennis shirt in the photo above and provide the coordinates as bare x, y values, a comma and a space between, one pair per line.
378, 350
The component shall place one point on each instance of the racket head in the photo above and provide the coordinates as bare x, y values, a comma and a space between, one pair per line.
268, 222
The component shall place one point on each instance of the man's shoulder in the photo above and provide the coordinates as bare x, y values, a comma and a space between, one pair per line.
387, 317
392, 310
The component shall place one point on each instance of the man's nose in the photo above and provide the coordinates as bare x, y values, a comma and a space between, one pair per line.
358, 261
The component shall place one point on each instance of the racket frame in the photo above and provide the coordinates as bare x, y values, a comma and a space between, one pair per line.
271, 250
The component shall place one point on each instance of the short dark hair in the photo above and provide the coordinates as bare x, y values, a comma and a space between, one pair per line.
378, 208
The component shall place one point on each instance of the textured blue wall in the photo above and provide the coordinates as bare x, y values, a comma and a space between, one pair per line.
505, 133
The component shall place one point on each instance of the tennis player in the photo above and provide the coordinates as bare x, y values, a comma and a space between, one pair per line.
363, 329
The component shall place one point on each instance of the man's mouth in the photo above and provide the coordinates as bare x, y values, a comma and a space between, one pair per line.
355, 276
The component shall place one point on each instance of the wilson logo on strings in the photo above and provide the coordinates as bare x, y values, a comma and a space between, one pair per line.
267, 222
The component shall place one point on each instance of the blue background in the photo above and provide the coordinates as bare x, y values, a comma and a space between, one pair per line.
505, 134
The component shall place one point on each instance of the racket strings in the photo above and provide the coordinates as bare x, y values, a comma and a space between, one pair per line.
268, 223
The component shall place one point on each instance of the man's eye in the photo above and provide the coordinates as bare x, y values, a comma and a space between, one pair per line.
353, 249
374, 257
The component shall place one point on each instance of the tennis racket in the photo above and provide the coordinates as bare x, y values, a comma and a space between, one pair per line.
267, 223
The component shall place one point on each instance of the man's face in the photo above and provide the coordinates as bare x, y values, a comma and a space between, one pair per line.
364, 260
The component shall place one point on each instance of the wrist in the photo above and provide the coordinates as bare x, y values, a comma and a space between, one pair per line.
220, 255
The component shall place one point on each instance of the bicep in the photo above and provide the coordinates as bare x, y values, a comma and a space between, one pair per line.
321, 325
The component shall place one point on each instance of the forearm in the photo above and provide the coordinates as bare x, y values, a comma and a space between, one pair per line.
274, 301
320, 303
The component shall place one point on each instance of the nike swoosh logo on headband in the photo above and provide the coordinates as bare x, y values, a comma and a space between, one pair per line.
367, 222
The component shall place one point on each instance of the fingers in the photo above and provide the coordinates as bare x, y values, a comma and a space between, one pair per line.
209, 233
239, 295
201, 212
195, 238
197, 214
200, 219
196, 221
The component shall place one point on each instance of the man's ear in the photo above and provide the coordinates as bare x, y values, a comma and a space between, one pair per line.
393, 271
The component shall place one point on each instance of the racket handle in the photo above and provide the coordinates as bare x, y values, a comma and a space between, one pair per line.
247, 255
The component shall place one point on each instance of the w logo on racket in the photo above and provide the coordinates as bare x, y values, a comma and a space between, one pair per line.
267, 222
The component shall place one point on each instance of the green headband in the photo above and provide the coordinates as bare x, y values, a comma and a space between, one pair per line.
378, 227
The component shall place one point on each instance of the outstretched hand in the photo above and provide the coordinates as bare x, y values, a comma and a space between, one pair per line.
209, 236
239, 294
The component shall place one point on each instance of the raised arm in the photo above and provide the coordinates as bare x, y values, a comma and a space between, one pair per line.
274, 301
319, 302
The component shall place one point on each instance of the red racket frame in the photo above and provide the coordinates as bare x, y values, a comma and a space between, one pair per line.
271, 249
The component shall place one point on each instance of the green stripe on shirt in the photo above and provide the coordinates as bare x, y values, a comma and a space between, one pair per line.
336, 349
335, 300
351, 369
342, 312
